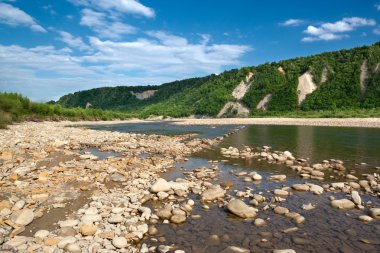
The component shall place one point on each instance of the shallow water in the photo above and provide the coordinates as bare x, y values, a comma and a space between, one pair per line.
326, 229
167, 128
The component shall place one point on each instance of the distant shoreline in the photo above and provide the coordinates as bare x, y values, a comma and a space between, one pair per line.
330, 122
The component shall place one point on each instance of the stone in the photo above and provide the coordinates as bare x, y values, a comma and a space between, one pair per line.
375, 213
365, 218
300, 187
343, 204
356, 198
234, 249
278, 177
164, 213
281, 210
91, 218
280, 192
162, 195
177, 219
316, 189
283, 251
68, 223
152, 230
87, 230
163, 249
91, 211
5, 204
107, 235
67, 231
51, 241
226, 184
116, 218
25, 217
213, 193
16, 241
317, 173
119, 242
259, 222
308, 207
18, 205
161, 185
41, 234
73, 248
257, 177
239, 208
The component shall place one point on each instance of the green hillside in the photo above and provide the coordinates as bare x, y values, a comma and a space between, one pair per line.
336, 77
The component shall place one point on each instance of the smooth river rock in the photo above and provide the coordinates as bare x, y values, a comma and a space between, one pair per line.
375, 213
213, 193
119, 242
25, 217
343, 204
234, 249
239, 208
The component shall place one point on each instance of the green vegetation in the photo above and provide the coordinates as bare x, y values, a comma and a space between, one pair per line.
339, 93
15, 108
336, 74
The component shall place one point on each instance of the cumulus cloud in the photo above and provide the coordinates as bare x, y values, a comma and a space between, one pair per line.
377, 30
337, 30
120, 6
74, 42
156, 58
13, 16
105, 28
377, 6
292, 22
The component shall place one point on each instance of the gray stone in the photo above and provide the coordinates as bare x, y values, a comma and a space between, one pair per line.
25, 217
119, 242
343, 204
161, 185
213, 193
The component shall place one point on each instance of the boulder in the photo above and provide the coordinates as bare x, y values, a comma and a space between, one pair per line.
25, 217
161, 185
213, 193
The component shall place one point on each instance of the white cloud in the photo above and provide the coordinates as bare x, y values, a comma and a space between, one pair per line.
292, 22
335, 31
377, 6
104, 27
119, 6
13, 16
74, 42
377, 30
158, 58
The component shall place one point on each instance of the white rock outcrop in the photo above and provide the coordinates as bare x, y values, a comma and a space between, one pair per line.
306, 86
263, 104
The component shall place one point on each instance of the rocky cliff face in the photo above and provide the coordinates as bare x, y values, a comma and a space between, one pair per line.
144, 95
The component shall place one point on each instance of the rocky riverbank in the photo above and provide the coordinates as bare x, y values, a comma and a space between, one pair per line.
55, 198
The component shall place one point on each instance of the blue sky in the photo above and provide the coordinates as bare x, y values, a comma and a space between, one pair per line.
51, 48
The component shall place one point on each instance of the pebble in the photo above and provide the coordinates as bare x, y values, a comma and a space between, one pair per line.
161, 185
259, 222
375, 213
239, 208
365, 218
281, 210
73, 248
119, 242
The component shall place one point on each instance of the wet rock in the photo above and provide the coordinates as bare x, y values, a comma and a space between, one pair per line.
316, 189
177, 218
234, 249
257, 177
259, 222
163, 249
25, 217
375, 213
308, 207
15, 242
213, 193
283, 251
281, 210
152, 230
213, 240
279, 192
343, 204
161, 185
119, 242
365, 218
87, 230
165, 213
278, 178
356, 198
300, 187
226, 184
239, 208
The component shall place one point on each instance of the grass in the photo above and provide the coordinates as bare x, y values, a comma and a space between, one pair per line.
16, 108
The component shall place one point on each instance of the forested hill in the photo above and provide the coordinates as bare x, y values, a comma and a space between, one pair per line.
345, 79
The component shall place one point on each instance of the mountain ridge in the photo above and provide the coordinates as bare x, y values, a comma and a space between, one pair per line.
341, 79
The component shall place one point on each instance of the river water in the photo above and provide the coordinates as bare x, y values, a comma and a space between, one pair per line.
325, 230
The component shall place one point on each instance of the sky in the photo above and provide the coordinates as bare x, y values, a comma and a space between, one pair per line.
51, 48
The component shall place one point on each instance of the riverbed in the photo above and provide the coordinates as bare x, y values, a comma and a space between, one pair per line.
207, 226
